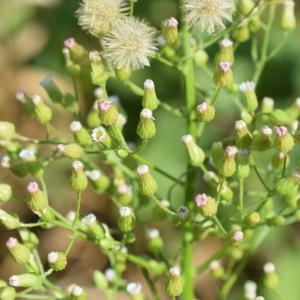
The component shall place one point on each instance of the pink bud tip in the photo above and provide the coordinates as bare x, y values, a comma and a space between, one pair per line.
238, 235
32, 187
201, 200
202, 108
61, 148
281, 131
69, 43
105, 105
172, 22
231, 151
267, 131
142, 169
11, 243
77, 165
225, 66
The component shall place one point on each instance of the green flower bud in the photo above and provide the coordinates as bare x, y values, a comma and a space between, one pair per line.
243, 163
81, 135
26, 103
8, 220
29, 239
205, 112
92, 225
227, 166
253, 219
134, 289
280, 117
284, 141
200, 57
276, 221
248, 89
5, 192
79, 180
126, 220
108, 113
236, 237
93, 117
37, 200
7, 130
20, 253
267, 105
73, 151
42, 112
8, 293
195, 153
225, 52
278, 160
263, 140
150, 100
73, 69
147, 183
146, 129
217, 269
99, 73
241, 33
52, 89
241, 128
123, 74
174, 284
207, 205
78, 53
77, 293
223, 76
271, 280
170, 30
100, 135
70, 103
255, 22
157, 268
245, 6
99, 181
235, 253
155, 242
246, 117
124, 193
57, 260
217, 153
226, 194
100, 280
288, 18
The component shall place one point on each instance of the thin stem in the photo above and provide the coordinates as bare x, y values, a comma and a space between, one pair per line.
284, 166
261, 178
241, 197
219, 225
151, 284
78, 204
165, 209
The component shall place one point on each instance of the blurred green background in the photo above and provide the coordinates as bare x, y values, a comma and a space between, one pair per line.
31, 39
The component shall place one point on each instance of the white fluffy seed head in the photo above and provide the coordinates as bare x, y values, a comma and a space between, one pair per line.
269, 268
149, 84
130, 44
209, 15
75, 126
146, 113
125, 211
53, 257
142, 169
89, 220
14, 281
248, 86
174, 271
134, 288
187, 139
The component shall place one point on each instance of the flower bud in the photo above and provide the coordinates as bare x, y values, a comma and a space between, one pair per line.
124, 193
52, 89
227, 166
225, 52
81, 135
72, 69
237, 237
9, 221
223, 76
146, 129
207, 205
217, 269
126, 220
77, 292
243, 163
278, 160
200, 57
155, 242
98, 180
245, 6
267, 105
205, 112
288, 18
263, 140
250, 290
78, 53
25, 280
217, 153
248, 89
93, 226
123, 74
253, 219
37, 200
183, 214
241, 128
20, 253
5, 192
79, 180
246, 117
92, 116
170, 30
100, 280
5, 161
108, 113
195, 153
276, 221
29, 239
147, 183
7, 130
255, 22
26, 103
42, 112
174, 284
284, 141
100, 135
57, 260
271, 279
8, 293
150, 100
280, 117
241, 33
73, 150
98, 72
134, 289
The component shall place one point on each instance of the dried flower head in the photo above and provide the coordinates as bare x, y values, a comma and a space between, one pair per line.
130, 44
98, 16
209, 15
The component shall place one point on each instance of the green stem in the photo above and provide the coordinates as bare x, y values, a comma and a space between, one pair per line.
261, 178
220, 226
165, 209
151, 284
241, 198
78, 204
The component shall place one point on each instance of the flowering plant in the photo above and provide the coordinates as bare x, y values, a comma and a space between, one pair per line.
102, 158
